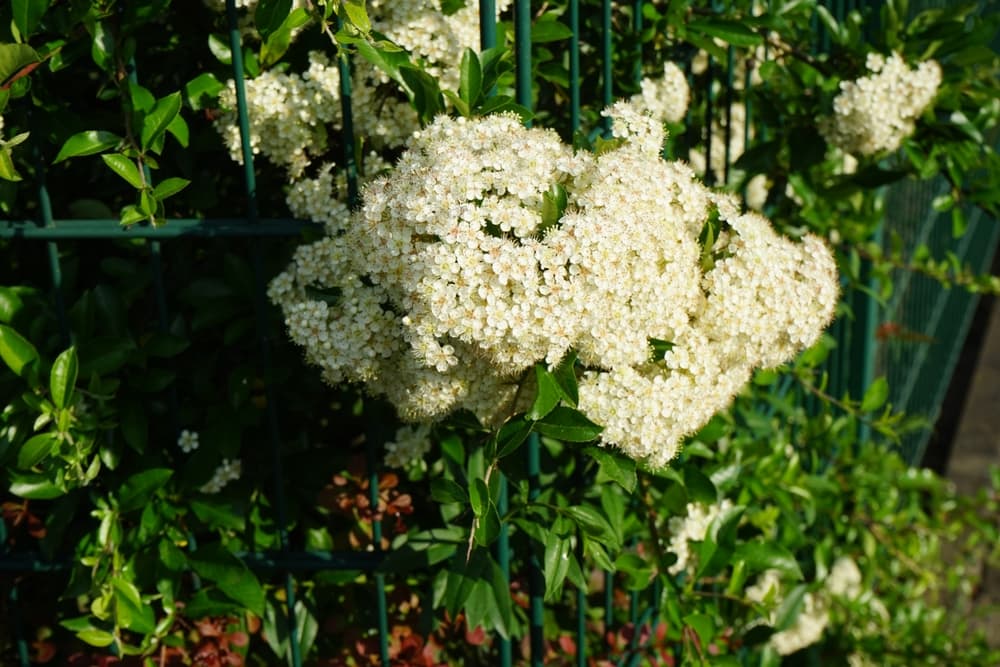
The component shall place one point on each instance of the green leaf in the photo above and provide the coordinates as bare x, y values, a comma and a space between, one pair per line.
10, 305
130, 611
556, 564
203, 87
35, 487
876, 395
140, 487
449, 7
790, 608
28, 14
162, 115
619, 469
660, 348
733, 32
553, 206
479, 496
8, 171
125, 168
62, 379
471, 82
270, 14
593, 523
16, 351
35, 450
87, 143
219, 514
462, 576
565, 374
638, 571
169, 187
488, 528
568, 424
445, 490
214, 563
760, 556
356, 14
549, 30
95, 637
220, 49
549, 393
699, 486
14, 59
511, 435
703, 626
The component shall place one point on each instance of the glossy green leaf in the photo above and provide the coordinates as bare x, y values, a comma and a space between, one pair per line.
471, 81
548, 395
130, 611
203, 88
169, 187
554, 202
703, 626
445, 490
62, 378
125, 168
16, 351
760, 556
8, 171
10, 305
569, 424
155, 123
790, 608
555, 564
34, 487
95, 637
216, 564
28, 15
592, 522
35, 450
699, 486
87, 143
733, 32
355, 12
137, 490
876, 395
14, 59
549, 31
270, 14
565, 375
510, 436
615, 467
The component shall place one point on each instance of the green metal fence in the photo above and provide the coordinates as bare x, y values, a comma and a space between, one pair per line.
918, 373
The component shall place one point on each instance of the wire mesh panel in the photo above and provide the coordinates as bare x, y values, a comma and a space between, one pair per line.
601, 34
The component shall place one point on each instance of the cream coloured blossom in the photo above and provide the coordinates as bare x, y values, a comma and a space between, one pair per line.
409, 445
461, 271
289, 114
665, 97
692, 527
875, 113
228, 471
809, 625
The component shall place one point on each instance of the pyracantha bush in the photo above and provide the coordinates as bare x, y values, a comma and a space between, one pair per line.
492, 246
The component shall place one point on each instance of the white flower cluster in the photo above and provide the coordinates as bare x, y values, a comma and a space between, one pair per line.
187, 441
844, 581
409, 446
666, 97
875, 113
289, 114
463, 269
693, 527
228, 471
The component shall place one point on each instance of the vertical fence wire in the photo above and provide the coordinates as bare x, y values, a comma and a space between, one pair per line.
250, 183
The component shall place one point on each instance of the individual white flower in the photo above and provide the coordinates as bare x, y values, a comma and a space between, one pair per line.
228, 471
187, 441
875, 113
409, 446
